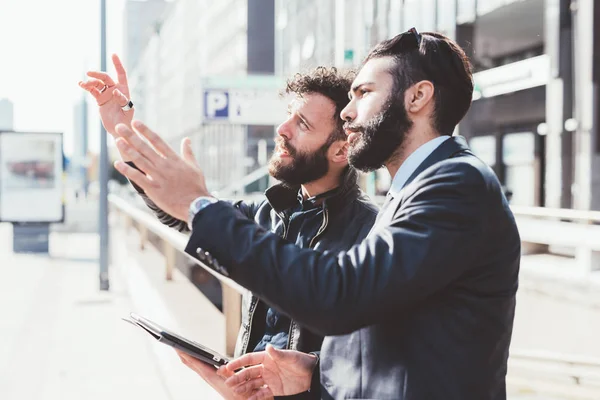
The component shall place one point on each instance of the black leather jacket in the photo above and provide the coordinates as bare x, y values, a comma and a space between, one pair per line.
347, 218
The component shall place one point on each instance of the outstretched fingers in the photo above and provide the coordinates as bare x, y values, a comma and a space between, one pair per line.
133, 143
156, 141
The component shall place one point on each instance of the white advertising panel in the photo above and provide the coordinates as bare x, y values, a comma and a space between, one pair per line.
31, 184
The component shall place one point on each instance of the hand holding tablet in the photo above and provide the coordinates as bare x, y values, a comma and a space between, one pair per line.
172, 339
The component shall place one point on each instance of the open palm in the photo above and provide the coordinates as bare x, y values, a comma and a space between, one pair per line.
285, 372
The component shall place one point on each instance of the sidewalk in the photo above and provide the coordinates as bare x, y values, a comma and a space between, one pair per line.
63, 339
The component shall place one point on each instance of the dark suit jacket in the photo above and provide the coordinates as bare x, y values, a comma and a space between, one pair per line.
422, 309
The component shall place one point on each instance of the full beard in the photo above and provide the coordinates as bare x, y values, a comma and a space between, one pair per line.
302, 168
379, 137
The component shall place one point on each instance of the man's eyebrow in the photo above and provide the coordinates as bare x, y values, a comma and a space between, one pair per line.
305, 120
355, 88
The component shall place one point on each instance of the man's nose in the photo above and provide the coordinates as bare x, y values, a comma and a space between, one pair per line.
349, 112
283, 130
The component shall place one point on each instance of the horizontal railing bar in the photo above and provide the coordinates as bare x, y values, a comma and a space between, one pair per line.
544, 212
560, 213
555, 358
177, 239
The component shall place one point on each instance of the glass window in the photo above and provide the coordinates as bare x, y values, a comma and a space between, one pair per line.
428, 17
465, 11
395, 19
518, 156
446, 17
411, 16
484, 147
485, 6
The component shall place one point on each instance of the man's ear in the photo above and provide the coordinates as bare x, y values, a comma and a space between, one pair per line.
419, 96
338, 152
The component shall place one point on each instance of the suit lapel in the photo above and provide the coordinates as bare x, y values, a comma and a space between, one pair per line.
448, 149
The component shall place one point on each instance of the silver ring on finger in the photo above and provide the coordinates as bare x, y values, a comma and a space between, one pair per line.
103, 89
127, 106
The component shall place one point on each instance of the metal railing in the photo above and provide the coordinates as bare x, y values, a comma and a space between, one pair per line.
543, 228
562, 214
572, 371
238, 186
173, 242
551, 374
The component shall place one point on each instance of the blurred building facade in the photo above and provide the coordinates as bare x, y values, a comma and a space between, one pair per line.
141, 20
534, 117
193, 75
7, 113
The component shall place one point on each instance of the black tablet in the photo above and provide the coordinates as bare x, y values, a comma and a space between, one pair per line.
190, 347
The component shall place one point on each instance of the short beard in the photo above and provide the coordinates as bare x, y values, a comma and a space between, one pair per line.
303, 168
379, 137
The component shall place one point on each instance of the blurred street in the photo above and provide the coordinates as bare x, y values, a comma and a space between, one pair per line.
64, 339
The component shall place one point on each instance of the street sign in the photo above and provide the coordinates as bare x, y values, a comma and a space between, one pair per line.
250, 101
244, 106
216, 104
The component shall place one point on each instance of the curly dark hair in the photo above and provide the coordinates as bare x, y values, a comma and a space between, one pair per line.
329, 82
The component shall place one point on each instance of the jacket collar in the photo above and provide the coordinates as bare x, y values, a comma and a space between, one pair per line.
282, 197
448, 149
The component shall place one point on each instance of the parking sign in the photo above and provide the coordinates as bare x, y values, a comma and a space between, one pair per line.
216, 104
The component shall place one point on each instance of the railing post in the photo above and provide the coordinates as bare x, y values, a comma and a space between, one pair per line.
127, 221
170, 257
143, 236
533, 248
587, 260
232, 310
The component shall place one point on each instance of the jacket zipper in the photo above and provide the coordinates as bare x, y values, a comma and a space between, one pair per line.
254, 304
322, 228
319, 232
282, 216
250, 318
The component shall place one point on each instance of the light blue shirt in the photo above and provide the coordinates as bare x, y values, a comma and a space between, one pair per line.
412, 162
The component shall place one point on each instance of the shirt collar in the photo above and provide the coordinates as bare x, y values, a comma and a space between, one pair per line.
412, 162
311, 202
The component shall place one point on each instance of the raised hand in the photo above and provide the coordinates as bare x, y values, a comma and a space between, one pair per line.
110, 96
171, 181
270, 373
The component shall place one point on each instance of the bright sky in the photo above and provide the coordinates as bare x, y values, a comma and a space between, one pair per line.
46, 46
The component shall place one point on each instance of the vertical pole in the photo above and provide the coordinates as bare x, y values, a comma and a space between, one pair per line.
170, 254
340, 34
232, 310
103, 168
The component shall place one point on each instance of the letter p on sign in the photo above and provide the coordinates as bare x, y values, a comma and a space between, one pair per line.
216, 104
